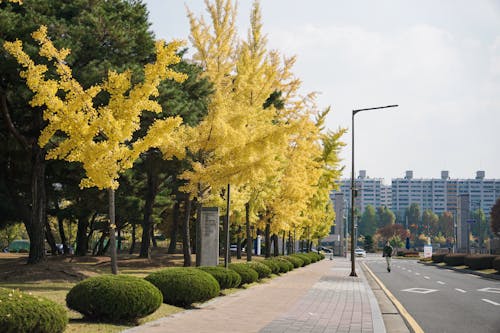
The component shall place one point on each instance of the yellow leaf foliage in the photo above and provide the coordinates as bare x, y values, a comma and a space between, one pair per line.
275, 157
101, 138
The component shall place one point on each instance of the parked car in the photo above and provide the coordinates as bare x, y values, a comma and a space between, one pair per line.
359, 252
324, 249
20, 246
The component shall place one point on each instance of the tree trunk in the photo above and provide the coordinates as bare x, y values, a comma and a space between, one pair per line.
132, 246
267, 235
62, 234
199, 208
238, 243
99, 246
148, 210
50, 238
186, 246
173, 232
290, 245
36, 225
283, 243
227, 236
112, 228
276, 248
82, 240
60, 226
153, 239
248, 232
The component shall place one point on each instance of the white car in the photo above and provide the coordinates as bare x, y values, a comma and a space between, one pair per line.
360, 252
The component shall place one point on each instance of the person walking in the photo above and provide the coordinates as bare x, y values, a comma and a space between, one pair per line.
387, 253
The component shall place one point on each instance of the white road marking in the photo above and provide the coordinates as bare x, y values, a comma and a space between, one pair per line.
409, 271
490, 290
426, 277
461, 290
420, 290
491, 302
441, 282
404, 269
417, 273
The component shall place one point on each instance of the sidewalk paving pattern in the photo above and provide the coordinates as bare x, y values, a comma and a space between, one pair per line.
317, 298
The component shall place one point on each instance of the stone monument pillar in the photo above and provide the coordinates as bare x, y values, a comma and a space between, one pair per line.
209, 236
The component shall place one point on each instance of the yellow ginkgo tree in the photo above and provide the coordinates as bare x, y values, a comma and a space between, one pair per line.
236, 143
101, 138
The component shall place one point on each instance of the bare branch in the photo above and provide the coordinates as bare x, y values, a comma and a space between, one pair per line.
10, 125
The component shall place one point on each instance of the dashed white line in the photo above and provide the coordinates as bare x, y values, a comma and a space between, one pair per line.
426, 277
417, 273
491, 302
441, 282
409, 271
460, 290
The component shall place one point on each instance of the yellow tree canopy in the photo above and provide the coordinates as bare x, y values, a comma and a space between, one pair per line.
101, 138
235, 142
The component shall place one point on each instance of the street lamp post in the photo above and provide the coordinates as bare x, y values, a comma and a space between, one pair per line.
353, 189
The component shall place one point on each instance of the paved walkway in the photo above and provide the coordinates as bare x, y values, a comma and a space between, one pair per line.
317, 298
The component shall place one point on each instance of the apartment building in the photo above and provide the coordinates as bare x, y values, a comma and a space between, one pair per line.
440, 194
436, 194
369, 191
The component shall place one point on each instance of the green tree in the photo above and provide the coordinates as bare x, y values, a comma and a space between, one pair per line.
495, 218
480, 227
446, 226
368, 246
102, 35
385, 216
414, 218
368, 223
430, 222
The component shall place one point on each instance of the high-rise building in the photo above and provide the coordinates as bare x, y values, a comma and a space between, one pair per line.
436, 194
440, 194
369, 191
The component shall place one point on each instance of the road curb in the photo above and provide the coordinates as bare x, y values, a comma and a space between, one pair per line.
410, 322
463, 270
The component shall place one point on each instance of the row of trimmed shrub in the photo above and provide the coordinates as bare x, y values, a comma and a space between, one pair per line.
408, 254
123, 298
481, 261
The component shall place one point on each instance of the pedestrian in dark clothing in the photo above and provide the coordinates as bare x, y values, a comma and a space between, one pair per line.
387, 253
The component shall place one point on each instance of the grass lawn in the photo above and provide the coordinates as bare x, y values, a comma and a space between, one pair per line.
57, 275
57, 291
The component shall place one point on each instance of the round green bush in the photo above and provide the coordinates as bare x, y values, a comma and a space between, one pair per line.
283, 264
304, 257
273, 265
321, 256
227, 278
182, 286
260, 268
314, 256
286, 262
114, 297
296, 261
23, 312
247, 274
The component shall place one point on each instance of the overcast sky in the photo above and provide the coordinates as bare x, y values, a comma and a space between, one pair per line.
439, 60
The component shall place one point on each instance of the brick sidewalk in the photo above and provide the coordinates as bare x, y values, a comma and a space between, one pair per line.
317, 298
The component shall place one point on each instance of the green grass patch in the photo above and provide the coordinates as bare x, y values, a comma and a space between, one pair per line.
56, 291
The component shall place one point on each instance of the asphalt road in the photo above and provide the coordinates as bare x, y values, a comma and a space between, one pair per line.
441, 300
